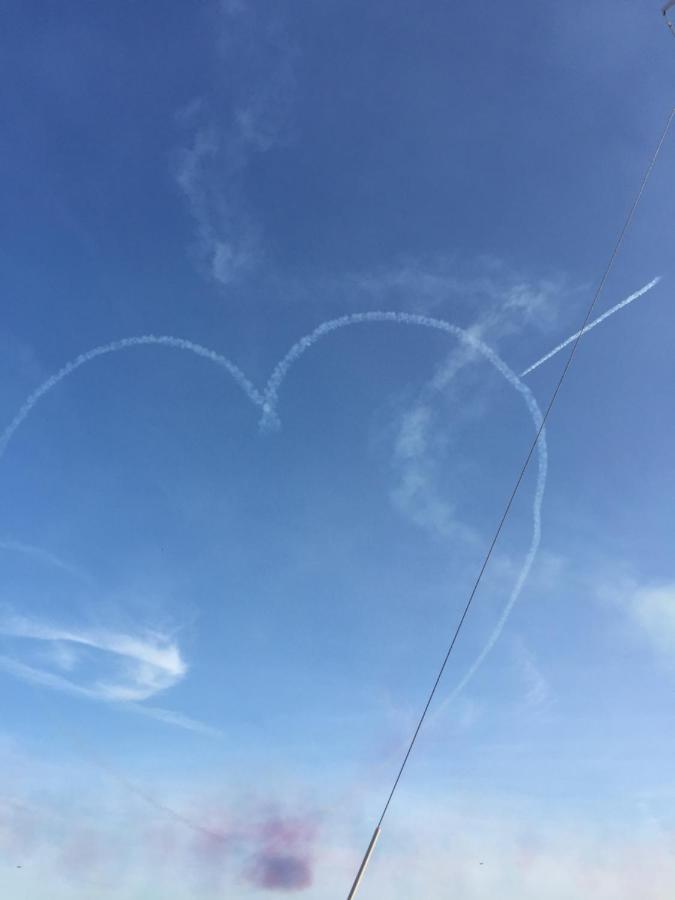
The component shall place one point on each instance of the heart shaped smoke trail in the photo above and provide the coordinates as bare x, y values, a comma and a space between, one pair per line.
268, 402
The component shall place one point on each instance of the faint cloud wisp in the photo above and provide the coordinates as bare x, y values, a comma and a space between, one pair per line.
124, 669
248, 115
652, 609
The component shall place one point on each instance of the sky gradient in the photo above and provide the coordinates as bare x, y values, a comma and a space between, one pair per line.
234, 544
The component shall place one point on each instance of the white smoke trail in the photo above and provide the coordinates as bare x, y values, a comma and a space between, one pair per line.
305, 343
605, 315
142, 340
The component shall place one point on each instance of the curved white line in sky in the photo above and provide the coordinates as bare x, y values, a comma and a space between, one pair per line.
151, 662
125, 343
268, 401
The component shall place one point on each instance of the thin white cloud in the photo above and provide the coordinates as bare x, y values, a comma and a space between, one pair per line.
226, 245
137, 666
421, 445
506, 300
44, 678
652, 610
61, 654
247, 115
171, 717
148, 664
416, 461
537, 687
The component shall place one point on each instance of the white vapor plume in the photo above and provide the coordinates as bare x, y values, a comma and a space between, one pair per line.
171, 717
113, 347
577, 334
245, 115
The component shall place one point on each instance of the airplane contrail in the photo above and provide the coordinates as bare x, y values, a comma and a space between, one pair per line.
605, 315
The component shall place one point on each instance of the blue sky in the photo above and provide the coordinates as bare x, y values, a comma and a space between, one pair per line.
215, 637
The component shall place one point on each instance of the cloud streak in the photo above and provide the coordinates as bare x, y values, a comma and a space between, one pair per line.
226, 244
246, 117
144, 665
650, 609
416, 464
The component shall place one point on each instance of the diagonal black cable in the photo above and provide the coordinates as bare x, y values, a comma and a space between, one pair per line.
596, 295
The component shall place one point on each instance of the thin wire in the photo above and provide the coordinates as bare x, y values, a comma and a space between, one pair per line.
521, 475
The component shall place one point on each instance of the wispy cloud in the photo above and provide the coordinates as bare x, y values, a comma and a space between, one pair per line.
417, 454
652, 611
246, 116
501, 299
226, 244
132, 668
503, 303
147, 664
537, 687
171, 717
